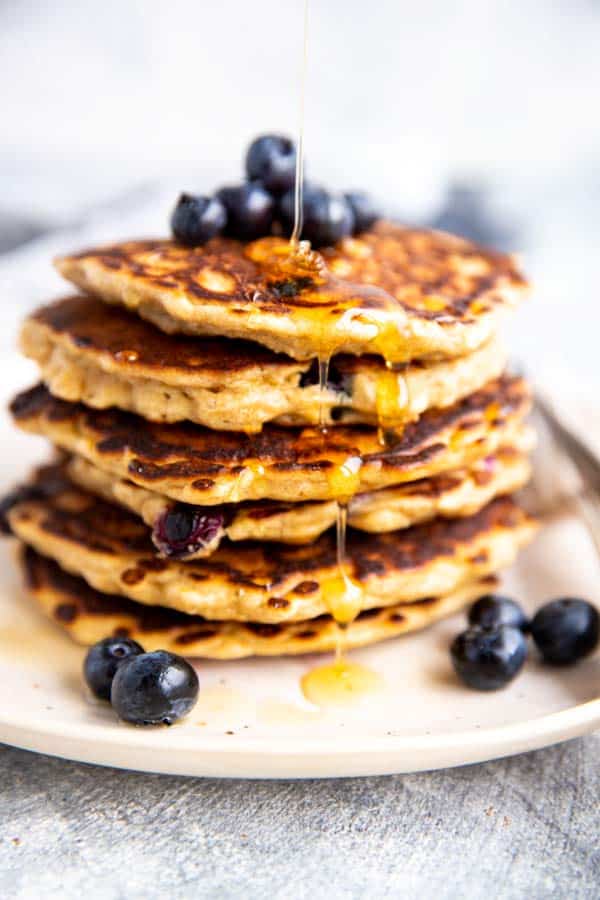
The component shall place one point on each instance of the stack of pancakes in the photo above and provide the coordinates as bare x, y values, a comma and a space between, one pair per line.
219, 409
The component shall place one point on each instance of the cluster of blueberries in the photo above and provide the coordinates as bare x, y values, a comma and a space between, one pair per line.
144, 688
264, 204
493, 649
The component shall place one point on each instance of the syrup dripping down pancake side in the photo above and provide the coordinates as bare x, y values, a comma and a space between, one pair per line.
87, 616
398, 292
195, 465
105, 356
112, 550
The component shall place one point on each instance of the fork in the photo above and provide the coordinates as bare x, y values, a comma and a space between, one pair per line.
571, 452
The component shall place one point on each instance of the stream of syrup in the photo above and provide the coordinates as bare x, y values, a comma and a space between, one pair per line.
340, 681
299, 181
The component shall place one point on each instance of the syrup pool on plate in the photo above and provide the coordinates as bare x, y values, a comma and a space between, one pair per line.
340, 683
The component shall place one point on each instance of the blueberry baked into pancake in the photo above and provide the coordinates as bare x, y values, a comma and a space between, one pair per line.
185, 531
269, 442
112, 549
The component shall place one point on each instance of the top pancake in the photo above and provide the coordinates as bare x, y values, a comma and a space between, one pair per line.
398, 292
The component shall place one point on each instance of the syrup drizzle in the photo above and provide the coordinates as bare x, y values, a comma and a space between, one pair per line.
391, 398
332, 308
323, 378
340, 681
299, 180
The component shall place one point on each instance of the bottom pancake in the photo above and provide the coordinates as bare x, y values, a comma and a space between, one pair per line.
88, 616
257, 582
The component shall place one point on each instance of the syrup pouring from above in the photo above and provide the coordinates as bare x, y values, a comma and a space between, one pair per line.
276, 196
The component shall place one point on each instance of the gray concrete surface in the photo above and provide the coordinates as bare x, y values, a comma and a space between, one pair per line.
522, 827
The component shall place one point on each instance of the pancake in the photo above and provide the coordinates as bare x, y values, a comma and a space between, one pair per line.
195, 465
458, 493
89, 616
103, 357
398, 292
111, 549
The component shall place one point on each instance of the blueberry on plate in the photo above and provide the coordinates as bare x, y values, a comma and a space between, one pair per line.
154, 689
197, 219
566, 630
494, 609
364, 209
488, 658
327, 218
184, 530
103, 660
271, 159
250, 210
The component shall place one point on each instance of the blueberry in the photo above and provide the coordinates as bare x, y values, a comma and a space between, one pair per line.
154, 689
197, 219
365, 212
327, 218
286, 208
271, 159
103, 660
494, 609
565, 630
250, 211
467, 211
488, 658
183, 530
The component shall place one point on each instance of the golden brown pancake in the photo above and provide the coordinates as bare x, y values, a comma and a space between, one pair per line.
196, 465
458, 493
111, 549
88, 616
105, 356
398, 292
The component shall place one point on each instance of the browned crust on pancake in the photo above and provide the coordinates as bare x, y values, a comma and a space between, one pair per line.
411, 264
105, 357
257, 582
424, 289
80, 517
93, 327
139, 347
194, 464
88, 615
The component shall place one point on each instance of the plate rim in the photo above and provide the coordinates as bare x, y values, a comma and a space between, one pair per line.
203, 755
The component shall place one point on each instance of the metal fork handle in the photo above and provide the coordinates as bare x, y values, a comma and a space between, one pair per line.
586, 461
589, 506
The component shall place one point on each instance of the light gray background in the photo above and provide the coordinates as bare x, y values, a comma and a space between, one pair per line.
108, 109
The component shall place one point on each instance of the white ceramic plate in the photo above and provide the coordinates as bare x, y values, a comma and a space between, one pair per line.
251, 720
